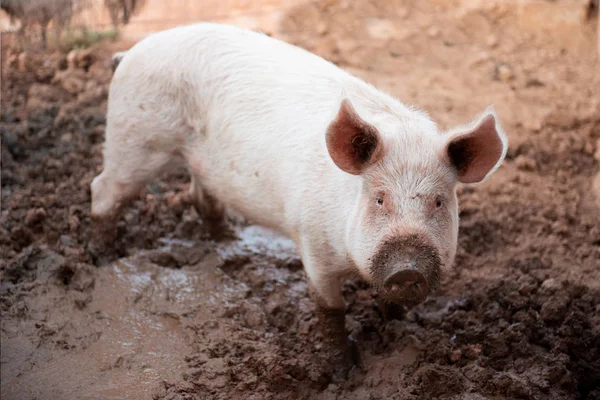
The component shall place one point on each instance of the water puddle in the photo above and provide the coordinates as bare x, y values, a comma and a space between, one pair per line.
135, 332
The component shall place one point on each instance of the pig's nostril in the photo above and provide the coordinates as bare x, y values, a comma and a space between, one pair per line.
394, 287
409, 283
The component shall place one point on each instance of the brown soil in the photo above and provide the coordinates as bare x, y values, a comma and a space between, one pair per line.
177, 315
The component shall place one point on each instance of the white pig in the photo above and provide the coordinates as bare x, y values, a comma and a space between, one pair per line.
361, 183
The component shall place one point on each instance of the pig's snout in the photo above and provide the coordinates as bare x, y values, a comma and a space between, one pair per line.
405, 269
407, 283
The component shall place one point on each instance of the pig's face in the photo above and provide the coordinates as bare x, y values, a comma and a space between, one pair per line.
406, 227
403, 232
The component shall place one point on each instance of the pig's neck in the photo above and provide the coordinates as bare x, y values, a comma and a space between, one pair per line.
327, 212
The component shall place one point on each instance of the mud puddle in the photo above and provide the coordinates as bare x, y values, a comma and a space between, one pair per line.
135, 331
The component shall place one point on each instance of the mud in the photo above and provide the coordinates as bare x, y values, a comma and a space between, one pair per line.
176, 314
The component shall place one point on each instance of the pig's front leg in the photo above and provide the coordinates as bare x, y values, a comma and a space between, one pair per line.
331, 312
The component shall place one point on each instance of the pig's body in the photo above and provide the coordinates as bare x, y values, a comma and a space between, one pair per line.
248, 114
252, 119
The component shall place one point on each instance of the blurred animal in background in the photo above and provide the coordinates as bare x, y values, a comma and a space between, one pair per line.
36, 17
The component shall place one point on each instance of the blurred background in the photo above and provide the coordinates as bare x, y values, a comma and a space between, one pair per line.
40, 21
58, 20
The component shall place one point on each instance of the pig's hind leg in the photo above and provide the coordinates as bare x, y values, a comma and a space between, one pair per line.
211, 211
128, 167
121, 181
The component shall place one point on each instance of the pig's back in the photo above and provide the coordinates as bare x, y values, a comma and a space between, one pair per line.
258, 109
208, 64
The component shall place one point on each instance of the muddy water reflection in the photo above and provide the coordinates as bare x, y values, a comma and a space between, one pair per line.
138, 324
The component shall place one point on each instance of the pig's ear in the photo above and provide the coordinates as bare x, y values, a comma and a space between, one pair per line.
353, 144
477, 151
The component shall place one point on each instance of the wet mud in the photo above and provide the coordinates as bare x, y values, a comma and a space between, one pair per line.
176, 314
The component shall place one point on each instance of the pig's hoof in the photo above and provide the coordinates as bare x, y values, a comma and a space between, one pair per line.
353, 352
340, 372
101, 246
220, 231
345, 361
100, 253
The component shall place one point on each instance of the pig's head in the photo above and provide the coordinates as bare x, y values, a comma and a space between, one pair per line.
402, 232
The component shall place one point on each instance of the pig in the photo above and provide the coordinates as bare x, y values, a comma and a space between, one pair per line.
363, 184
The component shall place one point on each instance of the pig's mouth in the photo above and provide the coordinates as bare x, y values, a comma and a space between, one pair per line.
405, 270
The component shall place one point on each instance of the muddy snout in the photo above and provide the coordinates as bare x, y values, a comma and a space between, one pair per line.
408, 283
406, 269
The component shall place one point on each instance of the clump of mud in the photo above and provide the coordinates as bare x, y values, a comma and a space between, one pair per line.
178, 315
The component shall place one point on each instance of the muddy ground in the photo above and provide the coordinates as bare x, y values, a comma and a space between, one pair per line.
179, 315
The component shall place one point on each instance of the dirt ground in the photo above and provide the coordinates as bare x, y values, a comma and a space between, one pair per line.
178, 315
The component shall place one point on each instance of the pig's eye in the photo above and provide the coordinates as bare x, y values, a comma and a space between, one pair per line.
439, 202
380, 201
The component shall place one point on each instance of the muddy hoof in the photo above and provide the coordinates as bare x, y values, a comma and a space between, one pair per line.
345, 361
100, 253
220, 231
353, 352
341, 370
